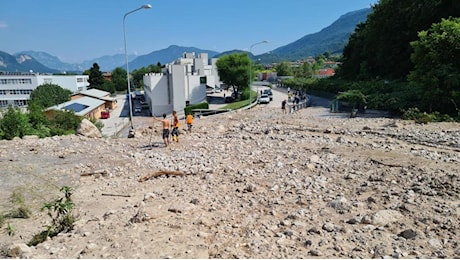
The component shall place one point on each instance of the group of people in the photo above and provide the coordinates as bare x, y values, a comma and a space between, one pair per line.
167, 125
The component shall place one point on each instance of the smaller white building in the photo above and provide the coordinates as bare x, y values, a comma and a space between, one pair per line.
182, 82
16, 87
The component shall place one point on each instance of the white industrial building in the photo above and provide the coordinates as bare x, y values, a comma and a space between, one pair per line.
16, 87
182, 82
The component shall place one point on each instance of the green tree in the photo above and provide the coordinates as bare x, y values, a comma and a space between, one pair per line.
380, 47
119, 79
437, 66
14, 124
48, 95
108, 86
137, 76
307, 69
96, 79
233, 70
319, 62
38, 120
284, 69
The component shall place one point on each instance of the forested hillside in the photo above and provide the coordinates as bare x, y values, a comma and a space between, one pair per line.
404, 58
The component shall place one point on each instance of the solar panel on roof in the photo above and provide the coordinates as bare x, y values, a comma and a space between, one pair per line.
76, 107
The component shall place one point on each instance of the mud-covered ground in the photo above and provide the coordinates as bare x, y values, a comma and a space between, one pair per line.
249, 184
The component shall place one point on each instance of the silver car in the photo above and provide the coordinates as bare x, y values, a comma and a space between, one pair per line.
264, 99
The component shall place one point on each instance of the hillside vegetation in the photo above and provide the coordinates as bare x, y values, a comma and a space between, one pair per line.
404, 58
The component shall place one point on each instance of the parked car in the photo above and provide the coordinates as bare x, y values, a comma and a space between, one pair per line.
105, 115
269, 93
264, 99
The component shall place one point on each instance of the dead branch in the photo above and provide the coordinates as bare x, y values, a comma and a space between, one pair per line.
386, 164
161, 173
116, 195
97, 172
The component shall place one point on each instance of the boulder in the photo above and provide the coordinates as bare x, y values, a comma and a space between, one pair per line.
88, 129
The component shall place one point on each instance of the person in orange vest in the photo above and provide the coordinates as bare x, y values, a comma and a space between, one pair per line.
189, 122
175, 126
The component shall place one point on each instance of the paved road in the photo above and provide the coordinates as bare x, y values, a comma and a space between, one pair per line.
118, 123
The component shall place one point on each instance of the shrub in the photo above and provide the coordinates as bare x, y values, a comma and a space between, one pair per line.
14, 124
20, 210
60, 212
64, 122
423, 117
188, 109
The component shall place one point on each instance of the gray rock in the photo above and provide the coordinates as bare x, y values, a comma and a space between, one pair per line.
329, 227
408, 234
340, 204
436, 243
354, 220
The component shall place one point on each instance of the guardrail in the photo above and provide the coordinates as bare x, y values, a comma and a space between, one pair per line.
208, 112
302, 104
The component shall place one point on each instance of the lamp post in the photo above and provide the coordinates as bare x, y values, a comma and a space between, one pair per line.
131, 129
250, 68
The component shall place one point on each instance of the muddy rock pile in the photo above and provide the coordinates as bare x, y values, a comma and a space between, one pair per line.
250, 184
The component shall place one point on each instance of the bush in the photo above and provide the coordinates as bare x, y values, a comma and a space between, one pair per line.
20, 209
64, 122
188, 109
14, 124
60, 212
423, 117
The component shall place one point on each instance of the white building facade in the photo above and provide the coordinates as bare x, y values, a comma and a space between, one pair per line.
15, 88
182, 82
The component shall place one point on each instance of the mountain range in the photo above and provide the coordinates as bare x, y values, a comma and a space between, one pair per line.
331, 39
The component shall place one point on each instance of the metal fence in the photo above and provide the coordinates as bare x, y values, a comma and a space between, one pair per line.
297, 106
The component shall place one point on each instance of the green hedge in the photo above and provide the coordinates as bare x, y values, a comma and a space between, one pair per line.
188, 109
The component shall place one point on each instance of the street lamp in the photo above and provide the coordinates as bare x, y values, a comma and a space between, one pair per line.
250, 68
131, 129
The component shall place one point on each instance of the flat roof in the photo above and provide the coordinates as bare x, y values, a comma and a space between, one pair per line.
97, 93
81, 106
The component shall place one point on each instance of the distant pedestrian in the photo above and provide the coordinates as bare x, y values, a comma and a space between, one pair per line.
175, 126
283, 106
189, 122
165, 123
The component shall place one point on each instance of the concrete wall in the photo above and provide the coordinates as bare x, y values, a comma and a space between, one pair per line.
157, 93
178, 79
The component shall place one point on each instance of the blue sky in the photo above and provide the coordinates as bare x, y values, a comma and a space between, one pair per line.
81, 30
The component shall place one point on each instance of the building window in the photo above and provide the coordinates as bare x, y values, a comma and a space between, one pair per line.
203, 80
3, 103
20, 103
15, 81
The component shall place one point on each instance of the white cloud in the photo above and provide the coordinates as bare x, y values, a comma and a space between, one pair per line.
3, 25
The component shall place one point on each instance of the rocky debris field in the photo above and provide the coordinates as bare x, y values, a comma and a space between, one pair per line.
248, 184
